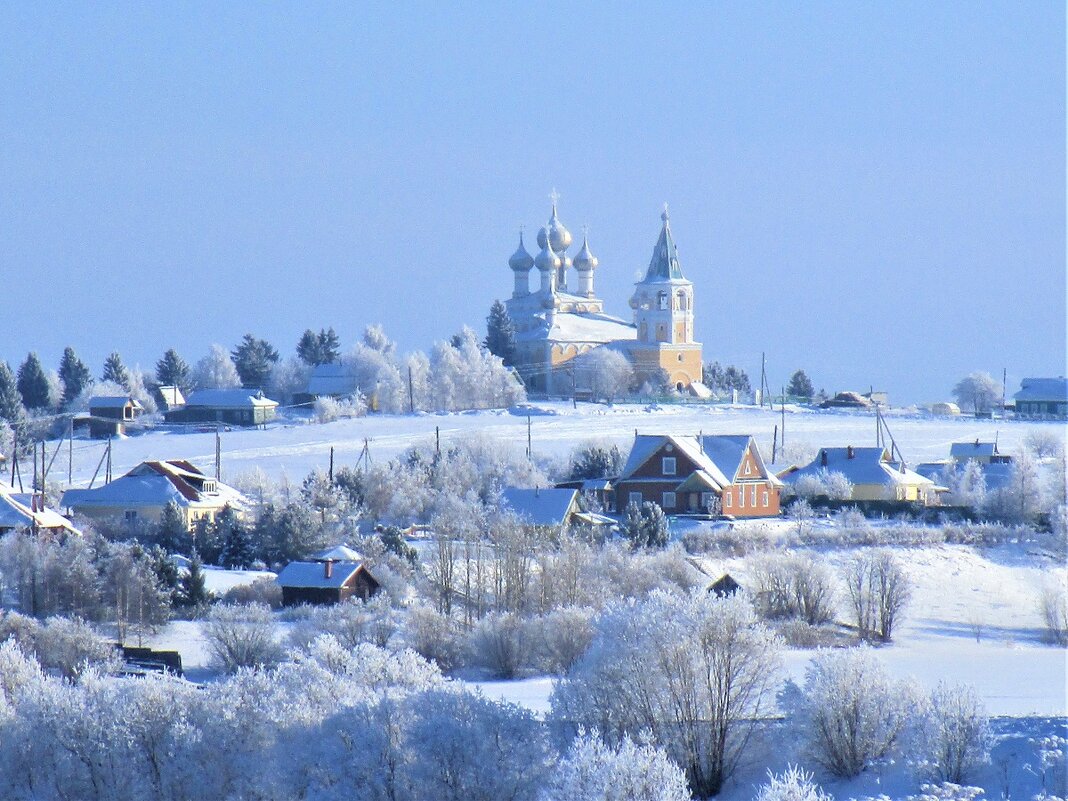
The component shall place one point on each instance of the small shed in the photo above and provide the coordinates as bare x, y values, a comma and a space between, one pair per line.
326, 582
724, 586
168, 398
945, 409
109, 414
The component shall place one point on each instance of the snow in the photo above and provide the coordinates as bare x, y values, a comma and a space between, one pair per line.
220, 581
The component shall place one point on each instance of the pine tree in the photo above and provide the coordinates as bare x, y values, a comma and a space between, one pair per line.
237, 548
172, 534
308, 348
33, 383
500, 334
115, 371
172, 371
645, 526
11, 409
74, 375
254, 359
800, 386
329, 346
193, 588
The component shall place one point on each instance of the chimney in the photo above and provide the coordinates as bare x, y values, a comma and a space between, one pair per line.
849, 452
823, 457
328, 568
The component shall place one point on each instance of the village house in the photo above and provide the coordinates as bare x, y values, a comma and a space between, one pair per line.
995, 466
1042, 399
27, 511
325, 581
239, 407
699, 474
872, 474
142, 494
109, 414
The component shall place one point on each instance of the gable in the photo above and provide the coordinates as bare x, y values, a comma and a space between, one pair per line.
653, 466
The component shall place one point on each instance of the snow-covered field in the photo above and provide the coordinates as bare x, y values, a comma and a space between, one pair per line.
293, 449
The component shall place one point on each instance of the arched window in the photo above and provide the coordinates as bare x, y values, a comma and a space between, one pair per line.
682, 301
662, 301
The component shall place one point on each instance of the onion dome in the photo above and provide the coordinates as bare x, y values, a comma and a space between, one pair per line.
546, 259
584, 259
521, 261
558, 236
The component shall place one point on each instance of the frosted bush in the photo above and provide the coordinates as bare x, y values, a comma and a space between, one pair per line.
793, 784
327, 410
242, 637
955, 734
1053, 604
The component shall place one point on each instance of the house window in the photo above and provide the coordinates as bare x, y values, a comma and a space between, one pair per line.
706, 499
741, 497
668, 465
635, 497
754, 495
766, 498
728, 499
669, 500
662, 301
130, 514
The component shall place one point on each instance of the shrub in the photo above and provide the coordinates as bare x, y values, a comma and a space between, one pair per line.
502, 644
242, 636
1053, 604
264, 590
956, 733
793, 785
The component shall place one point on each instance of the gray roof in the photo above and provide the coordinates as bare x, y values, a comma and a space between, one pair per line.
313, 574
332, 379
1043, 389
868, 465
229, 399
539, 507
962, 451
664, 266
339, 553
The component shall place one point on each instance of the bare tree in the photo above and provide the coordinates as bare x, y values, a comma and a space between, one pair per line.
879, 591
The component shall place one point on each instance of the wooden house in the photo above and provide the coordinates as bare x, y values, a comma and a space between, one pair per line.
325, 582
25, 511
144, 492
872, 474
1042, 399
109, 414
240, 407
699, 475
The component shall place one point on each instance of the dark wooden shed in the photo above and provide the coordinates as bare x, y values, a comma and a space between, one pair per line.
325, 582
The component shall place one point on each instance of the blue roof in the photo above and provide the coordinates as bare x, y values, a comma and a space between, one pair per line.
963, 451
664, 266
867, 465
229, 399
1043, 389
539, 507
313, 574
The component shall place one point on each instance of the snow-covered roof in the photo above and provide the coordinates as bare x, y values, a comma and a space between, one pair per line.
539, 507
153, 484
577, 327
1043, 389
16, 511
860, 465
341, 552
313, 574
331, 379
718, 456
962, 451
596, 485
229, 399
112, 402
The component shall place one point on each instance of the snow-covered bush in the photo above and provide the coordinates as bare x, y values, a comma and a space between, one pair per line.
593, 771
947, 791
1053, 604
563, 636
1044, 442
216, 370
793, 784
955, 736
824, 483
793, 585
878, 590
693, 671
851, 712
351, 623
264, 590
433, 636
501, 643
242, 637
607, 374
71, 646
327, 410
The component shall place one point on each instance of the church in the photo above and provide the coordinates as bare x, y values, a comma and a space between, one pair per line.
561, 318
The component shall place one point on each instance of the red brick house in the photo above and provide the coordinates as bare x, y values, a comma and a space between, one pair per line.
689, 475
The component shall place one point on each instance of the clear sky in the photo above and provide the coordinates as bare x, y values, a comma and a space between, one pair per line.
874, 192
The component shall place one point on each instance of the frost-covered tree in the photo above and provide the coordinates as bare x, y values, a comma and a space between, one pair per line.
242, 637
1021, 499
464, 376
606, 373
851, 713
800, 386
254, 359
593, 771
74, 375
696, 673
33, 384
977, 391
374, 337
966, 484
289, 377
172, 532
115, 371
830, 484
595, 460
215, 371
172, 371
878, 591
955, 733
645, 526
793, 784
500, 334
11, 408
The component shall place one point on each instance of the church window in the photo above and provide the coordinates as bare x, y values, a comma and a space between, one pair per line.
682, 301
662, 301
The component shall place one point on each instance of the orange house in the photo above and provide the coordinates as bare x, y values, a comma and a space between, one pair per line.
695, 475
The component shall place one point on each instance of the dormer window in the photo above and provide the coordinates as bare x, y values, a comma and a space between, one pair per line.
209, 486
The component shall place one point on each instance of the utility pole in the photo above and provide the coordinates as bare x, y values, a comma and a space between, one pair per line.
530, 447
107, 471
1004, 378
70, 452
774, 443
331, 464
782, 411
411, 392
15, 461
218, 454
437, 441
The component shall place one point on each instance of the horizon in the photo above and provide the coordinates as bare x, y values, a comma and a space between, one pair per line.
874, 195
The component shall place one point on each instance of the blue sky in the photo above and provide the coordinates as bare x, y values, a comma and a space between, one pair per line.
874, 192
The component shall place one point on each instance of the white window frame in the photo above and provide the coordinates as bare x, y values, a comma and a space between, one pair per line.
635, 497
741, 496
665, 463
753, 498
766, 499
728, 499
669, 500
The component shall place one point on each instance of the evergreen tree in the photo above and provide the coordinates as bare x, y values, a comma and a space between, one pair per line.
11, 409
253, 359
115, 371
645, 526
594, 461
308, 348
172, 534
393, 539
737, 378
322, 348
500, 334
193, 586
166, 571
800, 386
33, 383
74, 375
238, 550
172, 371
329, 346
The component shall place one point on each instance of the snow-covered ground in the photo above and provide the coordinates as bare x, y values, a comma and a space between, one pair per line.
292, 449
